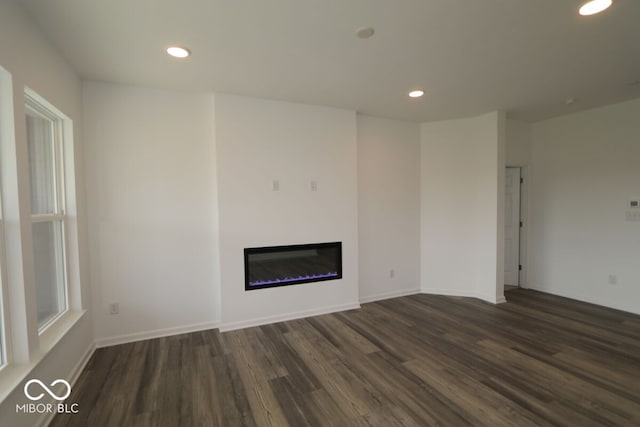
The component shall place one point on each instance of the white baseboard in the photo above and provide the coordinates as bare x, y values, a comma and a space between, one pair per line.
460, 293
230, 326
588, 299
389, 295
72, 378
156, 333
82, 363
451, 292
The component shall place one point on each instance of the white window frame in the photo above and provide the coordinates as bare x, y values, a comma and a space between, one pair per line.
6, 119
5, 337
38, 106
25, 343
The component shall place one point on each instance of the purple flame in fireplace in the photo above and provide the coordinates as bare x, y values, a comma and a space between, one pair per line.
293, 279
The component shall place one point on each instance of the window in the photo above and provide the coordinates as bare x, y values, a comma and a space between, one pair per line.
3, 357
3, 324
35, 165
45, 145
3, 310
6, 117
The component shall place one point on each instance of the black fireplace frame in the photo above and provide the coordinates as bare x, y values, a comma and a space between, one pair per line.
287, 248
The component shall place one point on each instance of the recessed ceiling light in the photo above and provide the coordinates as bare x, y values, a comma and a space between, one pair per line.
594, 6
416, 93
365, 33
178, 52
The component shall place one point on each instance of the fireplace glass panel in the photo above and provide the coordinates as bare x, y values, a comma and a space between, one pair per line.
288, 265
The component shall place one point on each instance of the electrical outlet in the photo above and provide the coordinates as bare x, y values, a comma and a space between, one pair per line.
114, 308
613, 279
392, 273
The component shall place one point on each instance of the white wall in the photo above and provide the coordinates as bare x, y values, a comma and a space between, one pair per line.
586, 168
33, 62
151, 180
388, 207
462, 186
259, 141
518, 145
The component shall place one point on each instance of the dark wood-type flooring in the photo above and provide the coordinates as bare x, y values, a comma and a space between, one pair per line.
420, 360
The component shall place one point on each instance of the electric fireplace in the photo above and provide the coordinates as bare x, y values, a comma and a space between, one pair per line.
272, 266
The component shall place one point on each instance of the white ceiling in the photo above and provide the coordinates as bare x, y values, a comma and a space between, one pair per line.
471, 56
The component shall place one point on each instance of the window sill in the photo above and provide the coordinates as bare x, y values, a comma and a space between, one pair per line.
12, 374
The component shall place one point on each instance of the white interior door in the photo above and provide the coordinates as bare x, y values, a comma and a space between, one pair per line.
512, 226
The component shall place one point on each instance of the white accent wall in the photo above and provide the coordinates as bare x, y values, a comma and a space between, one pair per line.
259, 141
462, 207
388, 207
586, 169
152, 201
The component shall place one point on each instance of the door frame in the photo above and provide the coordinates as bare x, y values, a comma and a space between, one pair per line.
524, 218
515, 171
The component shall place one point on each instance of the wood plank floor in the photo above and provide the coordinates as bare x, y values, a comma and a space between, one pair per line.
422, 360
